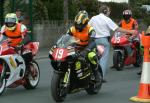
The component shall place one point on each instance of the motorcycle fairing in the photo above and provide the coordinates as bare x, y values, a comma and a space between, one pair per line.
33, 46
15, 64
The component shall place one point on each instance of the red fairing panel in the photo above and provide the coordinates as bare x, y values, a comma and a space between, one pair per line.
33, 46
119, 41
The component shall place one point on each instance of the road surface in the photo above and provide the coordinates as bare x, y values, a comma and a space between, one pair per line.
120, 86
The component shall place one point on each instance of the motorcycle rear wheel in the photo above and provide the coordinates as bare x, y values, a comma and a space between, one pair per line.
58, 92
94, 87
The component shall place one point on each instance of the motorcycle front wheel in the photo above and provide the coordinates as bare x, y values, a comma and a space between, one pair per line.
2, 80
139, 60
58, 91
33, 77
118, 61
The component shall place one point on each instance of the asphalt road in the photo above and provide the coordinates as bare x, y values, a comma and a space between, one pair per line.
120, 87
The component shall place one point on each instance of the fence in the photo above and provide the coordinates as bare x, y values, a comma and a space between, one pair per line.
47, 32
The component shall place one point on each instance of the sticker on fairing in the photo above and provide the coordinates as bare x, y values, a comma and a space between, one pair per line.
12, 62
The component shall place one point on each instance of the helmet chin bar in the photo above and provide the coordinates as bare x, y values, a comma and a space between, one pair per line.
11, 28
80, 27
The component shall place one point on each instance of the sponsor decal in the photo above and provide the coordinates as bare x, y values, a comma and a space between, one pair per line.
12, 62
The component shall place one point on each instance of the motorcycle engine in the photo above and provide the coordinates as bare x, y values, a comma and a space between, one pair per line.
82, 72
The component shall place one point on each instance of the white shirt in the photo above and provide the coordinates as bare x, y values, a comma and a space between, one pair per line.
102, 25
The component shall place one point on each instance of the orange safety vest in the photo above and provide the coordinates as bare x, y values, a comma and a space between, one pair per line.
82, 36
14, 36
128, 26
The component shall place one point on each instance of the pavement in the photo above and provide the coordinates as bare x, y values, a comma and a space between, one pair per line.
42, 53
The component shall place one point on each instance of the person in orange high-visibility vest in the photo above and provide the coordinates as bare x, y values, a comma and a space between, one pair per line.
85, 34
128, 22
13, 30
81, 30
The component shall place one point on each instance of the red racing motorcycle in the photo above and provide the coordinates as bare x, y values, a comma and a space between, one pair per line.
72, 72
125, 51
17, 66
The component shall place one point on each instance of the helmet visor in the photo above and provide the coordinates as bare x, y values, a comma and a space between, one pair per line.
78, 26
126, 17
10, 20
9, 24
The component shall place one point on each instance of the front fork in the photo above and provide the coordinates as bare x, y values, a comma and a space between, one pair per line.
1, 68
2, 73
67, 78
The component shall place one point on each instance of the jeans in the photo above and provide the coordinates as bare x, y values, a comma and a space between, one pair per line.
105, 56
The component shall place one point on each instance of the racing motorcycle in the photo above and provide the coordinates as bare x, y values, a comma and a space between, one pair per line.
125, 51
17, 66
72, 72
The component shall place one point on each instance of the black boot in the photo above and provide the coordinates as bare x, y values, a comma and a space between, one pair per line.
112, 67
96, 72
139, 73
104, 81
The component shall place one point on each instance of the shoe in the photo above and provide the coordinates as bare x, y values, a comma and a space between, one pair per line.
112, 67
104, 81
139, 73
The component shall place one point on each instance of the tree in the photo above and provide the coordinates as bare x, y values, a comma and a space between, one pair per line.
65, 13
38, 8
139, 12
91, 6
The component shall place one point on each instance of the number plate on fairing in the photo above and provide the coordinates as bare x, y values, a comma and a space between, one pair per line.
60, 54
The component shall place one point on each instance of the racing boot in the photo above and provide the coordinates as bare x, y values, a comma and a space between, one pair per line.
139, 73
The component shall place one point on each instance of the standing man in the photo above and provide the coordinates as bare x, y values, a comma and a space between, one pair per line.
102, 24
19, 15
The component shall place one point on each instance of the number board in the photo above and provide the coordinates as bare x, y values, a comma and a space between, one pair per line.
60, 54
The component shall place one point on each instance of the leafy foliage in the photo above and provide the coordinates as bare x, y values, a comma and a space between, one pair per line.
53, 9
116, 9
91, 6
138, 12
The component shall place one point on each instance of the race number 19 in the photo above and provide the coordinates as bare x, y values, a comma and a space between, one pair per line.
59, 53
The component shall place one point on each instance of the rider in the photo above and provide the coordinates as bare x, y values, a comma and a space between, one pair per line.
130, 23
84, 32
15, 31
